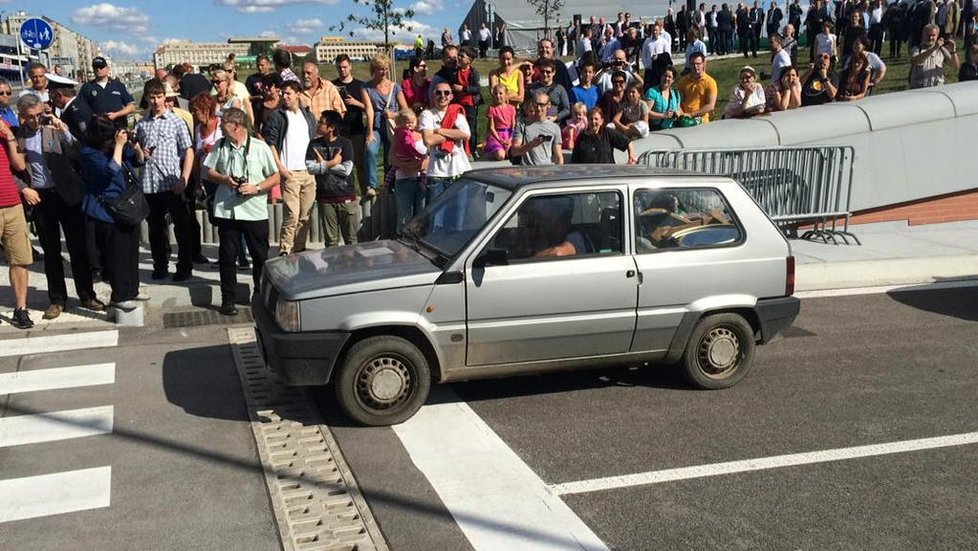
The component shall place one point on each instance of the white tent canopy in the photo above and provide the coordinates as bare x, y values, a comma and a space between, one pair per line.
524, 27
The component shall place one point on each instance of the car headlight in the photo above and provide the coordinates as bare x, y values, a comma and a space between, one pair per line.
287, 315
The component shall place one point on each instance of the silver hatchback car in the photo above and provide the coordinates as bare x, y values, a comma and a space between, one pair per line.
522, 270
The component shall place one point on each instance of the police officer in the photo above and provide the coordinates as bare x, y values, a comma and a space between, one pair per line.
107, 96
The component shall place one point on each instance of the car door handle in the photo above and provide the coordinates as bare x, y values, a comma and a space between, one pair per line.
630, 273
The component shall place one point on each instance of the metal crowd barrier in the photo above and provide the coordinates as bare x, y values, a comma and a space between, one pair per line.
807, 188
377, 220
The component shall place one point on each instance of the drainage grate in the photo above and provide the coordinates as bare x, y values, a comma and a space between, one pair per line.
315, 499
193, 318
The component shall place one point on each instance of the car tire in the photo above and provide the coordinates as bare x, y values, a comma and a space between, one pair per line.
383, 381
719, 352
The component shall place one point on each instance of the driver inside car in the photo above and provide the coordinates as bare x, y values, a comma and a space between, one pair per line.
549, 228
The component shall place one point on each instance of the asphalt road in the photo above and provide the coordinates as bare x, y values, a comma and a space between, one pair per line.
184, 471
855, 371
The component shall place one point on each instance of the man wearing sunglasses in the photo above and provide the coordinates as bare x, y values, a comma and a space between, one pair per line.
560, 105
7, 113
445, 130
537, 141
820, 83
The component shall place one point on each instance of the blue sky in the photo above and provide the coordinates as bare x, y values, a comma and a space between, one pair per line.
133, 29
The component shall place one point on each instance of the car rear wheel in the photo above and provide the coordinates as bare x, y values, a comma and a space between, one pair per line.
719, 352
383, 381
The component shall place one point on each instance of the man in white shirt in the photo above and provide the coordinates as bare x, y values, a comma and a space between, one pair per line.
447, 159
780, 58
655, 46
618, 63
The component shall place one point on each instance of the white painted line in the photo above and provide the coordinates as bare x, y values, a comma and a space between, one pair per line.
54, 494
730, 467
855, 291
496, 499
55, 378
58, 343
56, 425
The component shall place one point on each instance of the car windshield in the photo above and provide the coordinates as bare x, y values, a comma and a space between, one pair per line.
454, 217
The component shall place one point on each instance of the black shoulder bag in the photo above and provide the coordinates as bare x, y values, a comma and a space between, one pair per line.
129, 208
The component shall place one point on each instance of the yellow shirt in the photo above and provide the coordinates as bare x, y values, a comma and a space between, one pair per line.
694, 93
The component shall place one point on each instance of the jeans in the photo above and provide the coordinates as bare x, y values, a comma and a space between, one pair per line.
410, 200
371, 153
447, 219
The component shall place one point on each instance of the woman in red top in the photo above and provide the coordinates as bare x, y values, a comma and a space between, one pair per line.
416, 84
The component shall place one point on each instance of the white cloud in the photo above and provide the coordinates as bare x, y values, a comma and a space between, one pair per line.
427, 7
268, 34
127, 20
264, 6
306, 26
402, 35
120, 47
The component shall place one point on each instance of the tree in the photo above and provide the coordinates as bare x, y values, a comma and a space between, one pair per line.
549, 10
383, 16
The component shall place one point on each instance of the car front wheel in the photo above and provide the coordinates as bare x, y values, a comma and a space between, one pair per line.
719, 351
383, 381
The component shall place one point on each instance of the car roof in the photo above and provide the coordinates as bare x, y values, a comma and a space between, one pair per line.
515, 176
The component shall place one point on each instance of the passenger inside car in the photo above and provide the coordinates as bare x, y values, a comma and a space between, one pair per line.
549, 221
662, 220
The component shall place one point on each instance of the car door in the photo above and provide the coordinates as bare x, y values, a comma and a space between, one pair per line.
538, 306
688, 252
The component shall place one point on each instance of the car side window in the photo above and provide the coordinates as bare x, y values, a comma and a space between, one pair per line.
669, 219
575, 224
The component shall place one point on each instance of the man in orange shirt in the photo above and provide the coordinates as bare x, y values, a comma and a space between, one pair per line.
698, 90
319, 94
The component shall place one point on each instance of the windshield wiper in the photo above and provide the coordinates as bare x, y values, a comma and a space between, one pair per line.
411, 236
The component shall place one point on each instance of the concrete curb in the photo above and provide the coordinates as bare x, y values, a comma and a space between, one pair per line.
890, 271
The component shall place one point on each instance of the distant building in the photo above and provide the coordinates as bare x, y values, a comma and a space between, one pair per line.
206, 53
329, 47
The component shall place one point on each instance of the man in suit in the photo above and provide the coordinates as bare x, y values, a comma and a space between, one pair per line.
76, 114
774, 16
756, 17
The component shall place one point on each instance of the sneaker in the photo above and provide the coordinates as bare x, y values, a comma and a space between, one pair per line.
201, 259
53, 311
141, 297
228, 309
125, 305
159, 274
182, 276
93, 304
371, 192
21, 319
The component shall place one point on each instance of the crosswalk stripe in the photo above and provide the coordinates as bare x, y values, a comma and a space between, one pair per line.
55, 425
58, 343
56, 378
54, 494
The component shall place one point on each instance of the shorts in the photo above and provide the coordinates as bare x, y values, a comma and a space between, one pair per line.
15, 237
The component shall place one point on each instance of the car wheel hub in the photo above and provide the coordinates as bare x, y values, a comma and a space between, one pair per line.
384, 382
720, 350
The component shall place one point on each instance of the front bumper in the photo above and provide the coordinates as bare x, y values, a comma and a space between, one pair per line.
775, 315
300, 358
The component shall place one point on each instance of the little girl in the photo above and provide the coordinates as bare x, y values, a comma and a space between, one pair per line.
502, 118
576, 124
408, 185
633, 119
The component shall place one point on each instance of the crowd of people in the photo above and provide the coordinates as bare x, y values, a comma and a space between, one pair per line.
205, 140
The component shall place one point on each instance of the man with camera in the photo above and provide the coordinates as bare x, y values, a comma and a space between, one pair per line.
618, 63
54, 192
537, 141
244, 170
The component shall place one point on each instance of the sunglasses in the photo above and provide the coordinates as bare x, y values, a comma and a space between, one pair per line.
443, 92
544, 104
618, 81
6, 93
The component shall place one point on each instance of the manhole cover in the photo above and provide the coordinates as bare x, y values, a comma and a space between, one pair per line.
193, 318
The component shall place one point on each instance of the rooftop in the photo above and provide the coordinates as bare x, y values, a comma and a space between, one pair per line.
515, 176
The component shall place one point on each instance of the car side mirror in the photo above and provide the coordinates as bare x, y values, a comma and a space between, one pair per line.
492, 257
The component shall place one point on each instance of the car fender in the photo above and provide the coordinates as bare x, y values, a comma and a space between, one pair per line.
696, 310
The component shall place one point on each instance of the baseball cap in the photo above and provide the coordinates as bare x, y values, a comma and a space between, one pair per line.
99, 63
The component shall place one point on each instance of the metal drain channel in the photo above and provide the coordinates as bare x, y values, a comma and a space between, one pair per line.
315, 499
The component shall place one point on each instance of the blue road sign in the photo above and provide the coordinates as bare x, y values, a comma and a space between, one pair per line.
37, 34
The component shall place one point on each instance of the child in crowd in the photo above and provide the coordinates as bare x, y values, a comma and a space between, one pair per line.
502, 118
408, 145
633, 119
576, 124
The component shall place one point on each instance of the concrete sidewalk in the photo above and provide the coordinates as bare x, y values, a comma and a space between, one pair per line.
891, 253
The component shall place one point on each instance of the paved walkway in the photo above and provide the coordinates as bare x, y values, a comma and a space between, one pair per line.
891, 253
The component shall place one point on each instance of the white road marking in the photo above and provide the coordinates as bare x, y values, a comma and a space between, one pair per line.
58, 343
57, 378
855, 291
730, 467
496, 499
55, 425
54, 494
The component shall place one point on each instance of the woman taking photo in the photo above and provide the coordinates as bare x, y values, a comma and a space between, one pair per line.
664, 101
509, 75
104, 161
387, 99
598, 142
416, 85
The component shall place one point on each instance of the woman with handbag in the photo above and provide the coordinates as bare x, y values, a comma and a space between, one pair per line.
105, 168
387, 100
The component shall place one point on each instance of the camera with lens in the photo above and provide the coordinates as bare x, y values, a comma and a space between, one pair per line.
238, 180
